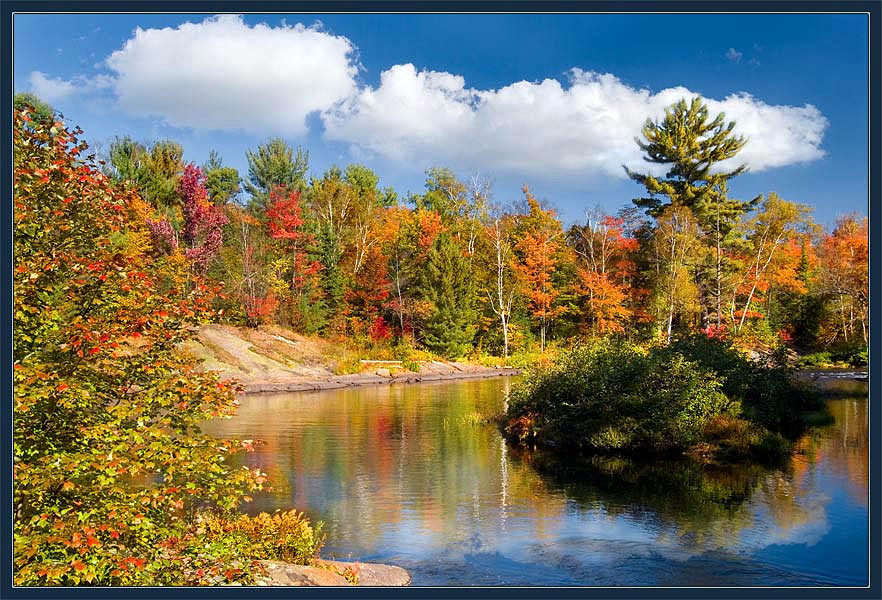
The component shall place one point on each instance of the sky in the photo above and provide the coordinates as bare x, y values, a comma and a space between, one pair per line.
549, 101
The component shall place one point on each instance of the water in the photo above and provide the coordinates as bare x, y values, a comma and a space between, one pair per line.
409, 475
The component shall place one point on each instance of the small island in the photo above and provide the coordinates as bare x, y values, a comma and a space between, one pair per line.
697, 396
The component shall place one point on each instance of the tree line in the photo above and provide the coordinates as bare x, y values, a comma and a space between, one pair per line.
455, 271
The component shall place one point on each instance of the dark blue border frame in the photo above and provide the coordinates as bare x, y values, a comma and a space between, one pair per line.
7, 8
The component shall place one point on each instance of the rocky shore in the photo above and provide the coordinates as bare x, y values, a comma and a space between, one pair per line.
380, 377
278, 361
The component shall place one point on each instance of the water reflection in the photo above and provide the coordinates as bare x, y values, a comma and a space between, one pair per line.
411, 475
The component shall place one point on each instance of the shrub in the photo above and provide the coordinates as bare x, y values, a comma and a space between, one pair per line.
852, 355
768, 393
616, 396
848, 355
610, 396
284, 535
816, 360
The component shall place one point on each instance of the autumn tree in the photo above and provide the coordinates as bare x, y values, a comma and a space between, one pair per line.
407, 237
605, 270
367, 204
504, 285
674, 244
297, 267
776, 222
203, 220
198, 232
445, 195
110, 467
367, 295
844, 275
244, 264
345, 207
477, 211
540, 248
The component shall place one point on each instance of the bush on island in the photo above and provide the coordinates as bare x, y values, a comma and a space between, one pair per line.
613, 396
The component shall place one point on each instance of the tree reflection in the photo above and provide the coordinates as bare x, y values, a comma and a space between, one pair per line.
416, 473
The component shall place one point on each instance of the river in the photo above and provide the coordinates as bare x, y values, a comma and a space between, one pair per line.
411, 475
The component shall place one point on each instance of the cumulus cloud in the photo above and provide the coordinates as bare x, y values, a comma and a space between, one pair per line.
222, 74
584, 128
734, 56
54, 89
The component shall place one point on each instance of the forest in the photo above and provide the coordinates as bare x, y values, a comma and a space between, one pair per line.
458, 272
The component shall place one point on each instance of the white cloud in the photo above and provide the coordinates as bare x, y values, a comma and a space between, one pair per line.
734, 56
54, 89
584, 129
222, 74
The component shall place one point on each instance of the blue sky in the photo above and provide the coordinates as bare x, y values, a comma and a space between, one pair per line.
552, 101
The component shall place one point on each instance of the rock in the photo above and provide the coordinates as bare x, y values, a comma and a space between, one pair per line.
330, 573
280, 573
383, 372
372, 574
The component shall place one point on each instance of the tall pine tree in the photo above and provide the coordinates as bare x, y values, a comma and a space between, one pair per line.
693, 146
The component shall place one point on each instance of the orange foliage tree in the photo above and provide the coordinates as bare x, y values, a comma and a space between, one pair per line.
541, 249
606, 271
845, 274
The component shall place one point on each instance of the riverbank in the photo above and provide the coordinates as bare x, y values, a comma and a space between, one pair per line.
275, 360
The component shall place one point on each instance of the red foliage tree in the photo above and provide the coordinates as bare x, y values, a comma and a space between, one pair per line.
285, 223
203, 221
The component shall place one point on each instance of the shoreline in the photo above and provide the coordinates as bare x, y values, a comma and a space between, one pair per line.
313, 384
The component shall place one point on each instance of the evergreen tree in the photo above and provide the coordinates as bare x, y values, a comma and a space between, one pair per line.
221, 182
39, 110
694, 146
447, 284
155, 172
274, 164
330, 255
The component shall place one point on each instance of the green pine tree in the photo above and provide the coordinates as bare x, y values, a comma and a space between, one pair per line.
221, 182
693, 146
273, 164
447, 283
